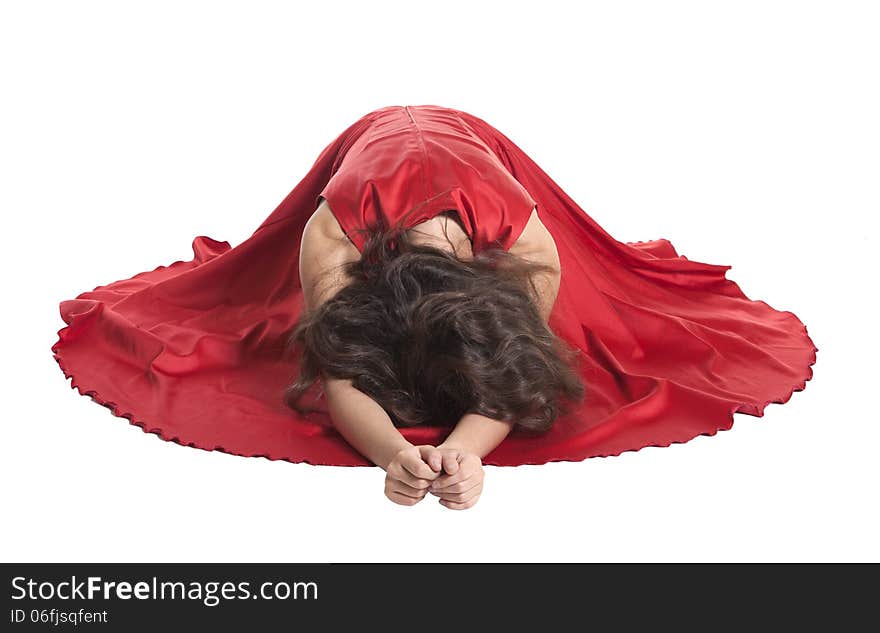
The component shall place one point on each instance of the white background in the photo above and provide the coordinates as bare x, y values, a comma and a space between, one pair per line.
745, 132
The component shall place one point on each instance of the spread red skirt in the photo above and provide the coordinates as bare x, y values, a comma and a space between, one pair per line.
193, 351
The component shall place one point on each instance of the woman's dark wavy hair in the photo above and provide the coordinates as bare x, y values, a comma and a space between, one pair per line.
431, 337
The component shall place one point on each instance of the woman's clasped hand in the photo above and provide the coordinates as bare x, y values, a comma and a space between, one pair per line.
452, 474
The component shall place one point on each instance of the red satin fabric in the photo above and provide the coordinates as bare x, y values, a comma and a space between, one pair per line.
192, 351
426, 160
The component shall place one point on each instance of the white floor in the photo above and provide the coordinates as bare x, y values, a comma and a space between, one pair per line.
747, 136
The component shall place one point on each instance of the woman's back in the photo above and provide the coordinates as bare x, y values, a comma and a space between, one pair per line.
325, 245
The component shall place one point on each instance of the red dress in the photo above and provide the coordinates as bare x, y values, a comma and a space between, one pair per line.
192, 351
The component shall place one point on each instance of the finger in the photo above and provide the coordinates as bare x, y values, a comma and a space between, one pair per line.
452, 505
470, 488
451, 462
416, 466
460, 486
403, 488
402, 499
444, 481
401, 474
464, 472
432, 456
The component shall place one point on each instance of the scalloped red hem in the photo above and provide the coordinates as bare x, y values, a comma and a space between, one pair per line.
752, 409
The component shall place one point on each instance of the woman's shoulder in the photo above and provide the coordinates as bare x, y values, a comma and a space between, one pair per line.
535, 239
323, 227
324, 250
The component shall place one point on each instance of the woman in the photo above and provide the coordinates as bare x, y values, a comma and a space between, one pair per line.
428, 274
425, 332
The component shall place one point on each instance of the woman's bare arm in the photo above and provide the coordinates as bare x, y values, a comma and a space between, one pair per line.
359, 419
536, 244
363, 422
477, 434
324, 251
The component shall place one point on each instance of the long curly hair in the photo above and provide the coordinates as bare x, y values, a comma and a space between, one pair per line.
431, 337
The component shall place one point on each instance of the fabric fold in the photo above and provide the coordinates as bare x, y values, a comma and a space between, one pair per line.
193, 351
